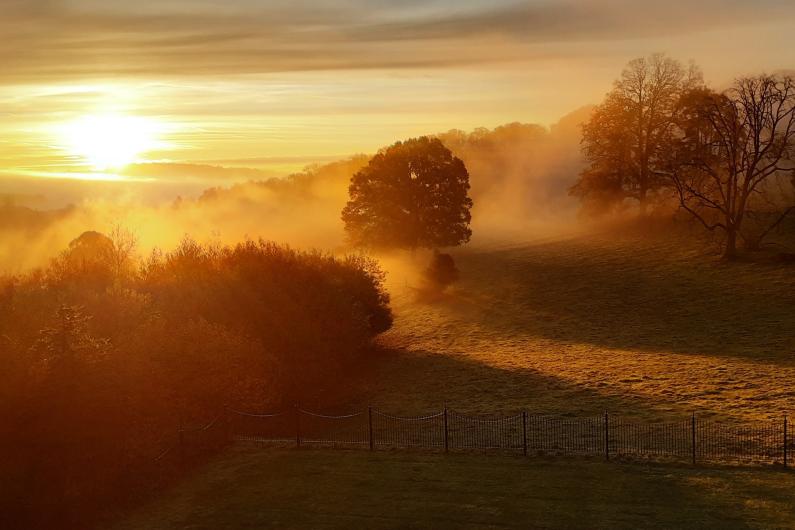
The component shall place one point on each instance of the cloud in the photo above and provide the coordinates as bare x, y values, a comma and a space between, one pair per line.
186, 171
62, 40
582, 20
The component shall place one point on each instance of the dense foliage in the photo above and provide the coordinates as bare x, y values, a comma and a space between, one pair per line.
411, 194
104, 357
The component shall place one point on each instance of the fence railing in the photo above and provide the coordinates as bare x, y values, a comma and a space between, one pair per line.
607, 436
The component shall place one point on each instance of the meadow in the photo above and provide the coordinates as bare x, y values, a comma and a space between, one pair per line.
645, 327
283, 488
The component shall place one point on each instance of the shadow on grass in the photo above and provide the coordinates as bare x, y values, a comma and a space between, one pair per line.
341, 489
418, 382
632, 294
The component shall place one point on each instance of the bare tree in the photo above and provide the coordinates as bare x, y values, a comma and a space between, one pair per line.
732, 146
628, 138
121, 252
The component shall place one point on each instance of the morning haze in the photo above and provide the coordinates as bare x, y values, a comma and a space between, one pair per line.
421, 264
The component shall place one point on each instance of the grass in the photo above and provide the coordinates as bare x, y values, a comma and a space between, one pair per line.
652, 329
283, 488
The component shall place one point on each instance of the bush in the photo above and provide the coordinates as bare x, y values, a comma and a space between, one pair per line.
442, 271
101, 368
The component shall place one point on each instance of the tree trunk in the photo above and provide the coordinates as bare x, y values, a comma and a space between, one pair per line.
730, 252
643, 202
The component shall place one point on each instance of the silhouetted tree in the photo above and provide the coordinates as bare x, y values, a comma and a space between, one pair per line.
732, 146
411, 194
97, 258
89, 247
627, 140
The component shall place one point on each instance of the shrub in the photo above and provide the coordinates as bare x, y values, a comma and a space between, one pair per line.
99, 375
442, 271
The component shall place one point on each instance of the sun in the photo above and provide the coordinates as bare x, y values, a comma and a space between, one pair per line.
110, 141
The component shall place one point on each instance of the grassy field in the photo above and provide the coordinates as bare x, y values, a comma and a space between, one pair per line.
652, 330
582, 325
288, 489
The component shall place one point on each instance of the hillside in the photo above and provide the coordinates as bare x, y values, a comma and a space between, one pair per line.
636, 325
645, 327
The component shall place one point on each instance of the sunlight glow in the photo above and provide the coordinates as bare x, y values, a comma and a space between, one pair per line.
110, 141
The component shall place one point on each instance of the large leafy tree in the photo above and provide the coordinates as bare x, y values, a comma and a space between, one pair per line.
627, 140
411, 194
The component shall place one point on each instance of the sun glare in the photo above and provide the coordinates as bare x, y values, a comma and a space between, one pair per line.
110, 141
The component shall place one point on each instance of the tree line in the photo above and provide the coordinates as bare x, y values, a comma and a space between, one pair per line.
663, 136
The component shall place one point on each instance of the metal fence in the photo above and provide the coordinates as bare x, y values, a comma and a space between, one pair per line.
606, 436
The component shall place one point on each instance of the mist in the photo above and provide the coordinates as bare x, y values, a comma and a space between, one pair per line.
519, 176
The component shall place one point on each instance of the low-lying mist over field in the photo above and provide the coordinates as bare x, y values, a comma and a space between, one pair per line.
519, 173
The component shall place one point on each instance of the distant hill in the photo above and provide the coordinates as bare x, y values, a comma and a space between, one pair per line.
26, 219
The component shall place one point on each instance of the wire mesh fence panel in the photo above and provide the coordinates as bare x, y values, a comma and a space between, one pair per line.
277, 427
470, 432
659, 440
408, 431
689, 440
555, 435
346, 430
720, 442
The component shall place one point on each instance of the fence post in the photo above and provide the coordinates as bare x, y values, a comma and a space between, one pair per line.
785, 441
693, 433
446, 444
607, 437
370, 424
297, 427
524, 432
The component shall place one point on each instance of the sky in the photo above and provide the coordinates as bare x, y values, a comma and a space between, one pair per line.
91, 89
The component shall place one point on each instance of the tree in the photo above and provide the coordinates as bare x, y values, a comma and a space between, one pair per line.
411, 194
69, 342
628, 137
733, 145
96, 259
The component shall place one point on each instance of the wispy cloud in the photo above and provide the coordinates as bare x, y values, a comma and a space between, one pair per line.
62, 40
274, 84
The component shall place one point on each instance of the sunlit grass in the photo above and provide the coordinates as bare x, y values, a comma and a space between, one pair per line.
645, 328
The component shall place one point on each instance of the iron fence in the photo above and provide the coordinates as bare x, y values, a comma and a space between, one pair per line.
607, 436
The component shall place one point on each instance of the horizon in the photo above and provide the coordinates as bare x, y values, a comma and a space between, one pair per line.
268, 90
